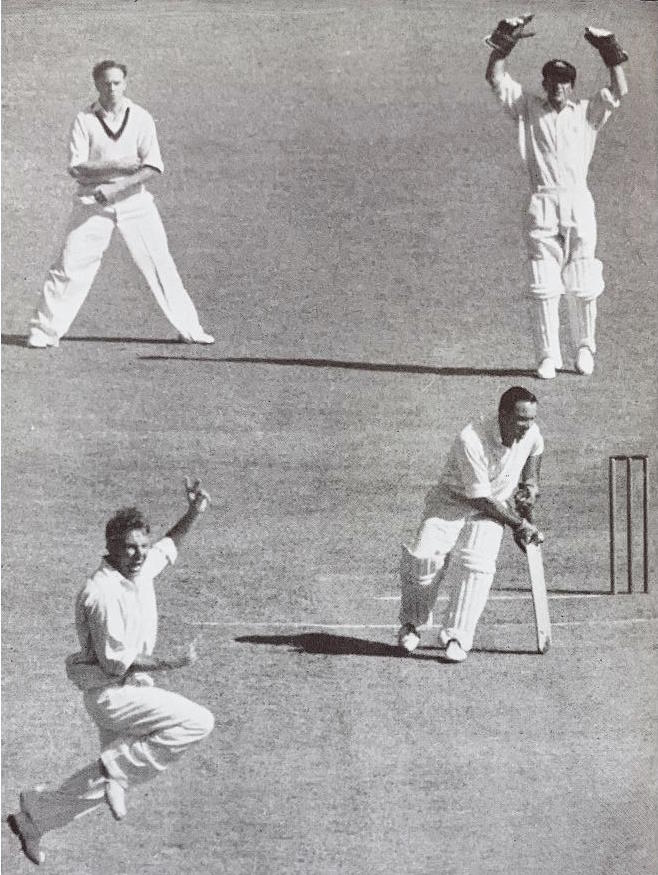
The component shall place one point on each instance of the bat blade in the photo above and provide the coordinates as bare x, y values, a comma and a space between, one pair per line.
539, 596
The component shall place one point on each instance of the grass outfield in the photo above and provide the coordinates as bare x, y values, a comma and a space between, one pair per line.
343, 200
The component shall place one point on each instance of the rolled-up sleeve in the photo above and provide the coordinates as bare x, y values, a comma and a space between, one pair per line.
161, 554
148, 148
78, 143
510, 94
600, 108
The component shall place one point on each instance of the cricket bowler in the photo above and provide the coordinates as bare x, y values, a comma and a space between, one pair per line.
143, 728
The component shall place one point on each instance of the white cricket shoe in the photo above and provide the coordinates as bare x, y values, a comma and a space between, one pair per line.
203, 338
454, 651
39, 340
408, 637
21, 825
546, 369
585, 361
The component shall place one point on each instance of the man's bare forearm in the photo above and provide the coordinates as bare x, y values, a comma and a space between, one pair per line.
497, 510
157, 663
495, 68
103, 171
618, 82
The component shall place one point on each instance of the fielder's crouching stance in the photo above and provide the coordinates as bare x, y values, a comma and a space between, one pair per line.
464, 519
557, 135
143, 728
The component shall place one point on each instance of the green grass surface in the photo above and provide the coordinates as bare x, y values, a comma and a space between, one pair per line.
343, 200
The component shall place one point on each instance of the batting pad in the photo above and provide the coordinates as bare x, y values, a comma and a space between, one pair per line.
420, 577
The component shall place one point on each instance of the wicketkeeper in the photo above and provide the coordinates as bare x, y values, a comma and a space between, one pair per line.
491, 480
557, 136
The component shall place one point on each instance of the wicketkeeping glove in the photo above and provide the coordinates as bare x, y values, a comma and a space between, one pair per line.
606, 45
507, 34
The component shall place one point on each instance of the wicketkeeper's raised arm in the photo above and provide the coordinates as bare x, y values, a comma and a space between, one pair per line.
198, 500
612, 55
501, 41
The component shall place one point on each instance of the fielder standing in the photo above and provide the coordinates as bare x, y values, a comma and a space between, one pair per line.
464, 519
557, 136
113, 151
143, 728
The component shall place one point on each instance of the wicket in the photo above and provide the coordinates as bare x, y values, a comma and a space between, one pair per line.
627, 462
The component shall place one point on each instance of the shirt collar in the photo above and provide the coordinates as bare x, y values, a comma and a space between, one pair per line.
97, 107
571, 104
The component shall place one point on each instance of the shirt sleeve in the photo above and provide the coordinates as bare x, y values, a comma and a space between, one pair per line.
600, 108
538, 446
161, 554
473, 468
79, 143
510, 93
148, 148
109, 632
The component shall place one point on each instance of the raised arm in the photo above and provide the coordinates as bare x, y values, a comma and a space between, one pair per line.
198, 500
502, 40
612, 55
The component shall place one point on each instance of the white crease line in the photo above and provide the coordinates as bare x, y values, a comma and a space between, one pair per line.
512, 597
279, 625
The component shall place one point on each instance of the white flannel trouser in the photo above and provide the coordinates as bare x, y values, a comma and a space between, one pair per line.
88, 235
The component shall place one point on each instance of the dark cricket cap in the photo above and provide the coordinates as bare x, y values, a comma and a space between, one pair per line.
559, 71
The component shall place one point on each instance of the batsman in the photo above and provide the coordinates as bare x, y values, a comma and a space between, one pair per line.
490, 481
557, 134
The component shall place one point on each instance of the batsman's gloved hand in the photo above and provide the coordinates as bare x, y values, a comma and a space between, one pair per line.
525, 498
507, 34
527, 533
605, 42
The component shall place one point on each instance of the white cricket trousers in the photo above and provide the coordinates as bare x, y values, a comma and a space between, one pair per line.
465, 550
88, 235
143, 730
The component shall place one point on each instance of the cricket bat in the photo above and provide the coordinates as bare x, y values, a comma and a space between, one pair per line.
539, 596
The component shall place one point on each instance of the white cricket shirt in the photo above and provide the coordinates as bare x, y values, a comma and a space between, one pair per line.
96, 135
556, 147
116, 619
480, 466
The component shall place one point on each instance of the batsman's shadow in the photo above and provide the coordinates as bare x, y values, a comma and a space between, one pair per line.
331, 645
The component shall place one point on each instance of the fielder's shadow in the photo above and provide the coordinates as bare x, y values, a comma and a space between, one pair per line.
19, 340
345, 645
381, 367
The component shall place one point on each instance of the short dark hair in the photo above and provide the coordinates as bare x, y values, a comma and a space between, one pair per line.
102, 66
125, 520
559, 71
510, 398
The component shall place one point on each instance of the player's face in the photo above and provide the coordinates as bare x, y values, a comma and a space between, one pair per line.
111, 86
516, 423
128, 555
558, 93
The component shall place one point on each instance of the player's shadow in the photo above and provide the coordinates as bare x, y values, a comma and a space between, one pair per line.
325, 643
345, 645
381, 367
19, 340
